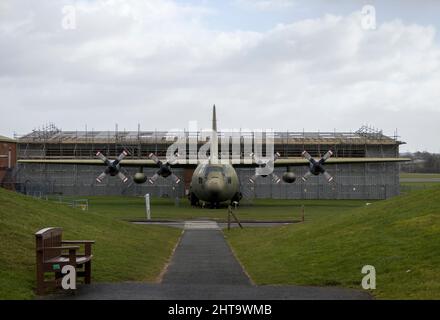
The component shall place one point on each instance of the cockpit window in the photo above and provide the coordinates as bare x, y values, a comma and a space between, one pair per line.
209, 170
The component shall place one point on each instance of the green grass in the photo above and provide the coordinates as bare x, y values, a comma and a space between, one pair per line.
406, 187
409, 185
129, 208
419, 175
123, 252
399, 236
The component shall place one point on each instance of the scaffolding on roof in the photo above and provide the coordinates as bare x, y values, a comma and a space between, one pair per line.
51, 134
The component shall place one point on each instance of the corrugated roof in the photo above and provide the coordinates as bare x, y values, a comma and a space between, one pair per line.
6, 139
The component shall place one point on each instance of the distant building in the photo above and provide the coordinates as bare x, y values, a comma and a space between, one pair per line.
8, 159
352, 181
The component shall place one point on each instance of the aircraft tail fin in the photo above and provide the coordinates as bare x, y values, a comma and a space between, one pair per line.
214, 119
214, 138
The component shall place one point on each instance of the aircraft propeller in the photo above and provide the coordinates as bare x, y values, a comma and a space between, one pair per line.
262, 164
316, 167
113, 167
164, 170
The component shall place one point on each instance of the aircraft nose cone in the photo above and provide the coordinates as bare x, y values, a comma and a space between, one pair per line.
214, 186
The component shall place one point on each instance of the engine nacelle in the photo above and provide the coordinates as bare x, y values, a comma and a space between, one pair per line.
140, 178
289, 177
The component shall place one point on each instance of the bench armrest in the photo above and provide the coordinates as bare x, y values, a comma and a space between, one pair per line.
60, 248
78, 241
87, 245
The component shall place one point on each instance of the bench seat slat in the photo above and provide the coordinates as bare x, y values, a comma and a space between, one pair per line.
79, 260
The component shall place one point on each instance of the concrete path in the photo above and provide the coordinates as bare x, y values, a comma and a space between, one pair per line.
204, 258
144, 291
203, 267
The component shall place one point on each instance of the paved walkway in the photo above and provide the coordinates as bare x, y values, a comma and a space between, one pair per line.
204, 258
143, 291
203, 267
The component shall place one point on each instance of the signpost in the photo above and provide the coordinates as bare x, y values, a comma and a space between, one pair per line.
147, 206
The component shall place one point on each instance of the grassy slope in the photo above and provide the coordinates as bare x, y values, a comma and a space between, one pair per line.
122, 251
399, 236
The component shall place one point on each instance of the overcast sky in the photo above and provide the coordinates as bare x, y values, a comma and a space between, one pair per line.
277, 64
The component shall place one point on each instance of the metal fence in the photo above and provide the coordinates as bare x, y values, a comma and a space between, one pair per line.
352, 181
355, 181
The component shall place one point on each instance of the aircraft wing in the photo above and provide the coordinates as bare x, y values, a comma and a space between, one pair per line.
92, 162
301, 161
282, 162
297, 161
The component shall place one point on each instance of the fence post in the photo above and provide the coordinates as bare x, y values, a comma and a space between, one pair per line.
147, 206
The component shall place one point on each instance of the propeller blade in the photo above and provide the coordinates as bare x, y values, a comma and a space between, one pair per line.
328, 176
327, 156
119, 159
275, 178
153, 157
307, 155
122, 177
175, 178
253, 178
153, 179
122, 156
101, 177
306, 176
103, 158
276, 156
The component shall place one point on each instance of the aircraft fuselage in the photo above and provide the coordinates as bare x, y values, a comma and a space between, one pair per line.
215, 183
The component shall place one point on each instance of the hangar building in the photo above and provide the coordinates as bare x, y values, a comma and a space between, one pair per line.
352, 181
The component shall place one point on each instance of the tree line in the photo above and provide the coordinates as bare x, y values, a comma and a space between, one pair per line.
422, 162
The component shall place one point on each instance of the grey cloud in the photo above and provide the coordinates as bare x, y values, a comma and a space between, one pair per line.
160, 66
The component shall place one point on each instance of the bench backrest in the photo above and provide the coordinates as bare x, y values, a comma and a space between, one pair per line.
49, 237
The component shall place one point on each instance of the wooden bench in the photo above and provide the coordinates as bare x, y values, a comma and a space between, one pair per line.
53, 254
